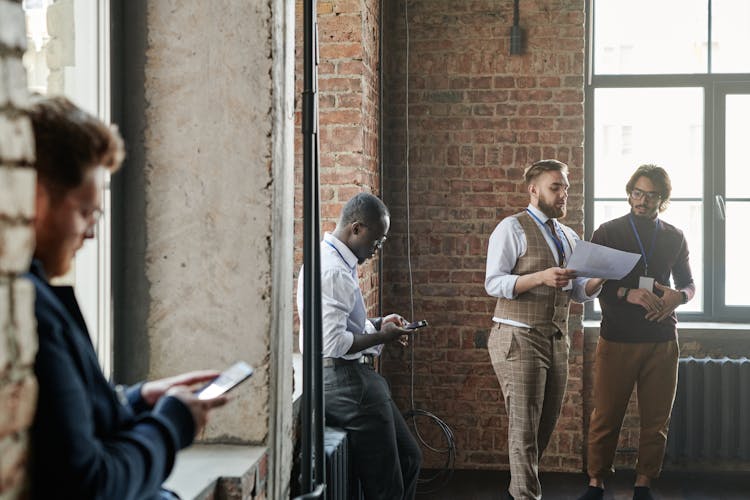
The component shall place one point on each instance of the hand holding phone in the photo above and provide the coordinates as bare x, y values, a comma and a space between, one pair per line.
227, 380
416, 324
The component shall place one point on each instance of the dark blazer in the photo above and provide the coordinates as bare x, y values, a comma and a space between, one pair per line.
90, 440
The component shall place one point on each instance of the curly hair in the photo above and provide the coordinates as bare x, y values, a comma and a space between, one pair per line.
658, 176
70, 142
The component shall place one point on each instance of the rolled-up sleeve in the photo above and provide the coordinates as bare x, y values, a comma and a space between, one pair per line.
338, 293
507, 243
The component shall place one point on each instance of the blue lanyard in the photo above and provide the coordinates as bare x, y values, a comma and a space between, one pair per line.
556, 239
353, 269
640, 244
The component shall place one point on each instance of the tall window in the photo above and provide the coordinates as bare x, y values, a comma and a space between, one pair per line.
669, 83
67, 54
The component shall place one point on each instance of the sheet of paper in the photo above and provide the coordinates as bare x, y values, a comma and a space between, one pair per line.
596, 261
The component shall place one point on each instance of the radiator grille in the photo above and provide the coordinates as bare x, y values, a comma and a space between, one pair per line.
711, 415
341, 483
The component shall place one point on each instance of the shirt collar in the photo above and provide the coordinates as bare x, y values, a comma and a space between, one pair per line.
540, 215
349, 258
37, 269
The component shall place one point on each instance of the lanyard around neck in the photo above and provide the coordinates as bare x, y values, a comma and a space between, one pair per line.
352, 269
555, 238
640, 244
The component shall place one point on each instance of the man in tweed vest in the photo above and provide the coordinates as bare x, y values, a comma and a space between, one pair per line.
529, 342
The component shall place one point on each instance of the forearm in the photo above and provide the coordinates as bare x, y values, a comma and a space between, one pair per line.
689, 290
135, 398
593, 286
526, 282
365, 341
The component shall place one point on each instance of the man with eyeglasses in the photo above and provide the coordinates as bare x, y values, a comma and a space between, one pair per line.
638, 336
90, 439
385, 455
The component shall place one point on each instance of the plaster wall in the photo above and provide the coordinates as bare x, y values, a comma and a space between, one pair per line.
208, 197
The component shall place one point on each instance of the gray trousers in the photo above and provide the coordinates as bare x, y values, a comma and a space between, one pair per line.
386, 456
533, 372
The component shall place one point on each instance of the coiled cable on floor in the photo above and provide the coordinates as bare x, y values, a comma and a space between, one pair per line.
440, 478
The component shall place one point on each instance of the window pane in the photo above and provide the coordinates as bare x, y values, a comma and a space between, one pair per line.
650, 37
737, 269
737, 133
67, 44
650, 125
730, 36
608, 210
688, 217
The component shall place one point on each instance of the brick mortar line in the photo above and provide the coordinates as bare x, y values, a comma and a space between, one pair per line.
15, 164
16, 220
12, 112
8, 52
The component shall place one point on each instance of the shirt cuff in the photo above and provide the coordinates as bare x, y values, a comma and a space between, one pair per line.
373, 325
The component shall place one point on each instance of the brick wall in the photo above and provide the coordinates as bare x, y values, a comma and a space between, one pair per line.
477, 117
348, 103
17, 326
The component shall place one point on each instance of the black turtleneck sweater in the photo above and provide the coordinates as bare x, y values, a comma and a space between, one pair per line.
625, 322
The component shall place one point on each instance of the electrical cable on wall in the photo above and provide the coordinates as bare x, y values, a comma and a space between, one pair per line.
441, 477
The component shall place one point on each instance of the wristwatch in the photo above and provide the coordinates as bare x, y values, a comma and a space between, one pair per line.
685, 297
625, 294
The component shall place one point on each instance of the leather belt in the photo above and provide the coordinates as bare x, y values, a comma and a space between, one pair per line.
365, 359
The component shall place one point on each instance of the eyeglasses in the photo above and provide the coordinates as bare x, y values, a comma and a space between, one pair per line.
93, 215
377, 244
638, 194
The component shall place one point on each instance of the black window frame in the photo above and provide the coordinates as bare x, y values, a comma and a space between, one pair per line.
716, 86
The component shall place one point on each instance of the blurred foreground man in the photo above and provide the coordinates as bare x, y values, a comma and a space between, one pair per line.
91, 440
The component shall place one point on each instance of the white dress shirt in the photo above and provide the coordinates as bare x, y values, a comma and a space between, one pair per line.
343, 307
508, 243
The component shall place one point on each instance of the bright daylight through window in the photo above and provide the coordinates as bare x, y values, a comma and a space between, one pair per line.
669, 83
67, 53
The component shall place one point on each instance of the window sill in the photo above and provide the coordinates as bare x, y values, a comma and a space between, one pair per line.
198, 469
709, 339
692, 328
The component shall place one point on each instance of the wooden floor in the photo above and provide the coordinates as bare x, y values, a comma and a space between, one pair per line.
489, 485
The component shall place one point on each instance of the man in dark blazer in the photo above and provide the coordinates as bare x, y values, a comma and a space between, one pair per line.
90, 439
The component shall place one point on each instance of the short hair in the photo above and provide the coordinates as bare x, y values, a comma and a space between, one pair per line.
70, 142
658, 176
365, 208
541, 166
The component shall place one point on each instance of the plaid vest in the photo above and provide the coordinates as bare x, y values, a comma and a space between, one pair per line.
543, 308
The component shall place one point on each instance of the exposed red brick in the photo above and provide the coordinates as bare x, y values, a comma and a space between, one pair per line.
478, 117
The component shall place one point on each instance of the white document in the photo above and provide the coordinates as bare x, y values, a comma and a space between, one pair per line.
590, 260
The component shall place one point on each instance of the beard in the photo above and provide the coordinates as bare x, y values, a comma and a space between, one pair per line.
552, 211
643, 210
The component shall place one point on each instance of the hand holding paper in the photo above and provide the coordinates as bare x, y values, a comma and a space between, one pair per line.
596, 261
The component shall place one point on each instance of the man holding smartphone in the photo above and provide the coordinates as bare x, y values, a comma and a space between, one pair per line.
529, 343
88, 439
357, 399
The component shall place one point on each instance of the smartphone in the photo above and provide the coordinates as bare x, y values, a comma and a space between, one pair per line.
227, 380
416, 324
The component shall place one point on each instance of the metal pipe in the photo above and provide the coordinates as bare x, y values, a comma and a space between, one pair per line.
313, 474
